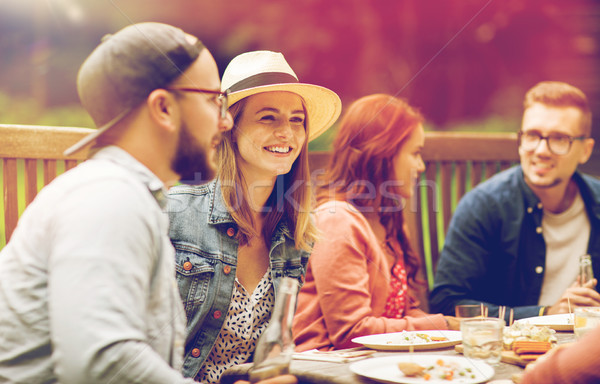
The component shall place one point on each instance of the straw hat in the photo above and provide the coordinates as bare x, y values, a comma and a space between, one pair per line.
265, 71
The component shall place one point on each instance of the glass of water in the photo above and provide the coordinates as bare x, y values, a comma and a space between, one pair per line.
586, 319
482, 338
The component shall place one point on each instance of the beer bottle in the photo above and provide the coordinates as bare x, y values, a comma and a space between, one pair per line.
275, 346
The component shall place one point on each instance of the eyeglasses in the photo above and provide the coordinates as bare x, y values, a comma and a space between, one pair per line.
221, 98
558, 143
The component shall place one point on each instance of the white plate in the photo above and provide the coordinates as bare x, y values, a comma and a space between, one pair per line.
562, 322
395, 342
385, 369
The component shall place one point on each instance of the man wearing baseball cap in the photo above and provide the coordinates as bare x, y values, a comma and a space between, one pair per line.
87, 284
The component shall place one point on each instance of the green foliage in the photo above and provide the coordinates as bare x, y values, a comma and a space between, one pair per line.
14, 110
323, 142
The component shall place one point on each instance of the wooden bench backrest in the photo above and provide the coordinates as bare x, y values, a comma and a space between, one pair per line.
455, 162
32, 156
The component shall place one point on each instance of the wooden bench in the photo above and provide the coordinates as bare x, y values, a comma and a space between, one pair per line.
455, 162
32, 156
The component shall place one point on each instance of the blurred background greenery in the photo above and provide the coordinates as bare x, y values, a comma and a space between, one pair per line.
465, 63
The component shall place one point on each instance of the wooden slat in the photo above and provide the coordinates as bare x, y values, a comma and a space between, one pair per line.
11, 206
39, 142
30, 180
432, 212
416, 232
504, 165
470, 146
491, 168
476, 172
49, 171
70, 164
460, 175
446, 192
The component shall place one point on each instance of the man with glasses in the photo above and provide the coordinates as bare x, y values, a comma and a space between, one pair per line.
87, 281
515, 240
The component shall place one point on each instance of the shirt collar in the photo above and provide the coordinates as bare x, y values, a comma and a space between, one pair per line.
142, 173
533, 202
218, 210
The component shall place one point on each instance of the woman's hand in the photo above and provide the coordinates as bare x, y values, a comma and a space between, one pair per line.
283, 379
453, 323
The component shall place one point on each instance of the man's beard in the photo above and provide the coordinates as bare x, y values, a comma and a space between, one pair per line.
191, 160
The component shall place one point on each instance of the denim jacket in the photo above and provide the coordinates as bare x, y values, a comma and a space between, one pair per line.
203, 234
494, 250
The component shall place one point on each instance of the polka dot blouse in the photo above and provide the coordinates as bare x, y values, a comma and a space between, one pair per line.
246, 319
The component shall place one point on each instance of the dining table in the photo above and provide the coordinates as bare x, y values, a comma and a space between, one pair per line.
331, 372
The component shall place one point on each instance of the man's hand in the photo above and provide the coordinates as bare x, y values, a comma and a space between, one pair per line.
283, 379
576, 296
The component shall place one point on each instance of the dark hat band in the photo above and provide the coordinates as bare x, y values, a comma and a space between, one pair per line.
261, 79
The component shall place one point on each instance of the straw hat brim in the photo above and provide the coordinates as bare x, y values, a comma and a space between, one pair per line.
322, 105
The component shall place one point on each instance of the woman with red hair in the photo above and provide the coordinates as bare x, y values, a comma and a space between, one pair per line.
362, 268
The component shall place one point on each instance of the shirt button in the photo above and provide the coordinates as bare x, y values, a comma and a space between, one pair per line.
539, 269
195, 352
540, 206
529, 210
227, 269
538, 229
217, 314
187, 266
230, 232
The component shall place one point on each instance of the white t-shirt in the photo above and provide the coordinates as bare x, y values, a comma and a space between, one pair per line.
566, 235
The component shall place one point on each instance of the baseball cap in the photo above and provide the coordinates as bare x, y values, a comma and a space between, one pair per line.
126, 67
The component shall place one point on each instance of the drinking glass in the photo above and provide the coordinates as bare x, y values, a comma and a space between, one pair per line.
482, 338
470, 310
586, 319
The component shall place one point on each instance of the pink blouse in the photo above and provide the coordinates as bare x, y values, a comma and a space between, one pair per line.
348, 285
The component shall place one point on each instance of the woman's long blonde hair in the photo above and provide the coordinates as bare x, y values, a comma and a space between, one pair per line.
296, 212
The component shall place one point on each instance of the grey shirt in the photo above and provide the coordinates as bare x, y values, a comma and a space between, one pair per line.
87, 284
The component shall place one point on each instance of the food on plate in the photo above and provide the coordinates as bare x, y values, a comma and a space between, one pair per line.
416, 338
522, 346
531, 350
440, 370
411, 369
520, 331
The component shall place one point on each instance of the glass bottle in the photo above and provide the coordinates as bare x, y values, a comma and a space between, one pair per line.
585, 269
275, 346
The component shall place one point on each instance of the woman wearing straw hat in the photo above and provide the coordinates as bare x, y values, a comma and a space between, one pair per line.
236, 237
362, 270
